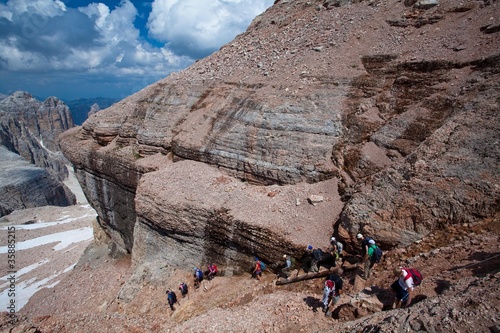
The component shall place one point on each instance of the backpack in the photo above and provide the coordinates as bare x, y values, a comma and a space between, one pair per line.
377, 254
183, 288
215, 269
339, 247
262, 266
318, 254
172, 297
199, 274
415, 274
329, 284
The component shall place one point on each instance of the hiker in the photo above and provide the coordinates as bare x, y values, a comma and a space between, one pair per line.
369, 263
327, 294
211, 271
257, 272
171, 298
288, 265
198, 277
338, 284
183, 289
403, 287
307, 260
317, 257
370, 259
365, 257
364, 244
336, 249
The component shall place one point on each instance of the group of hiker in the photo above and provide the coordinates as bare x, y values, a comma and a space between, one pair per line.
198, 277
371, 254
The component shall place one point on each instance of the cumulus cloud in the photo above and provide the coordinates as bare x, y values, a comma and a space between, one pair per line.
43, 9
198, 27
99, 44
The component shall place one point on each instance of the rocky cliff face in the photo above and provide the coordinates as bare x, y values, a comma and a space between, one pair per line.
23, 185
29, 128
386, 110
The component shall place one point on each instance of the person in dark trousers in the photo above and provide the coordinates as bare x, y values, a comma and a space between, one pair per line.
318, 255
198, 277
211, 271
338, 284
183, 288
365, 256
403, 287
306, 260
171, 298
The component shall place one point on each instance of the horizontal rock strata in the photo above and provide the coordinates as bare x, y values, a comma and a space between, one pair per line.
22, 185
397, 120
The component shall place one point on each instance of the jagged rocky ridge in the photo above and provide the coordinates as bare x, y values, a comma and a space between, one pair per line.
29, 128
390, 106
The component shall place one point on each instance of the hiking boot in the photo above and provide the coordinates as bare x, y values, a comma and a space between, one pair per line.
328, 314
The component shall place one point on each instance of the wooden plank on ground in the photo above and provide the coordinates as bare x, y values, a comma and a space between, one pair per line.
307, 276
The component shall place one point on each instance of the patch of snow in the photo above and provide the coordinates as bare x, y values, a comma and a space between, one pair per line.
24, 290
23, 271
64, 239
41, 224
69, 268
72, 183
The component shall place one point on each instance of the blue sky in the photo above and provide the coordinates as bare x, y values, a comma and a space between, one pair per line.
79, 49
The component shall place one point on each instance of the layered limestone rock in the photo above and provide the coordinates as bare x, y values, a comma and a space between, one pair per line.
29, 128
403, 117
217, 218
22, 185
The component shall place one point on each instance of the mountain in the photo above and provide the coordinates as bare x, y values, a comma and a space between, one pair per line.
324, 117
82, 106
29, 128
23, 185
399, 140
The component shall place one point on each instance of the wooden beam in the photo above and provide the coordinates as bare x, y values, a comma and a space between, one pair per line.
308, 276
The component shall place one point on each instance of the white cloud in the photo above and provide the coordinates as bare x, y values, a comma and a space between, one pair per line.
113, 26
45, 41
198, 27
38, 9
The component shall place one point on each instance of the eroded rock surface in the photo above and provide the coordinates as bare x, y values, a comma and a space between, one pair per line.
23, 185
30, 128
391, 108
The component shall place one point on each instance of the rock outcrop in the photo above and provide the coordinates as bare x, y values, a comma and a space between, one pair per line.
400, 121
23, 185
29, 128
94, 109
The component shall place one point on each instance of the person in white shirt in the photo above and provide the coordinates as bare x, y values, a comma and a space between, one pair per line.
403, 287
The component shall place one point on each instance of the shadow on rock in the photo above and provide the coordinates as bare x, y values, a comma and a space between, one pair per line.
442, 286
314, 303
488, 263
385, 296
